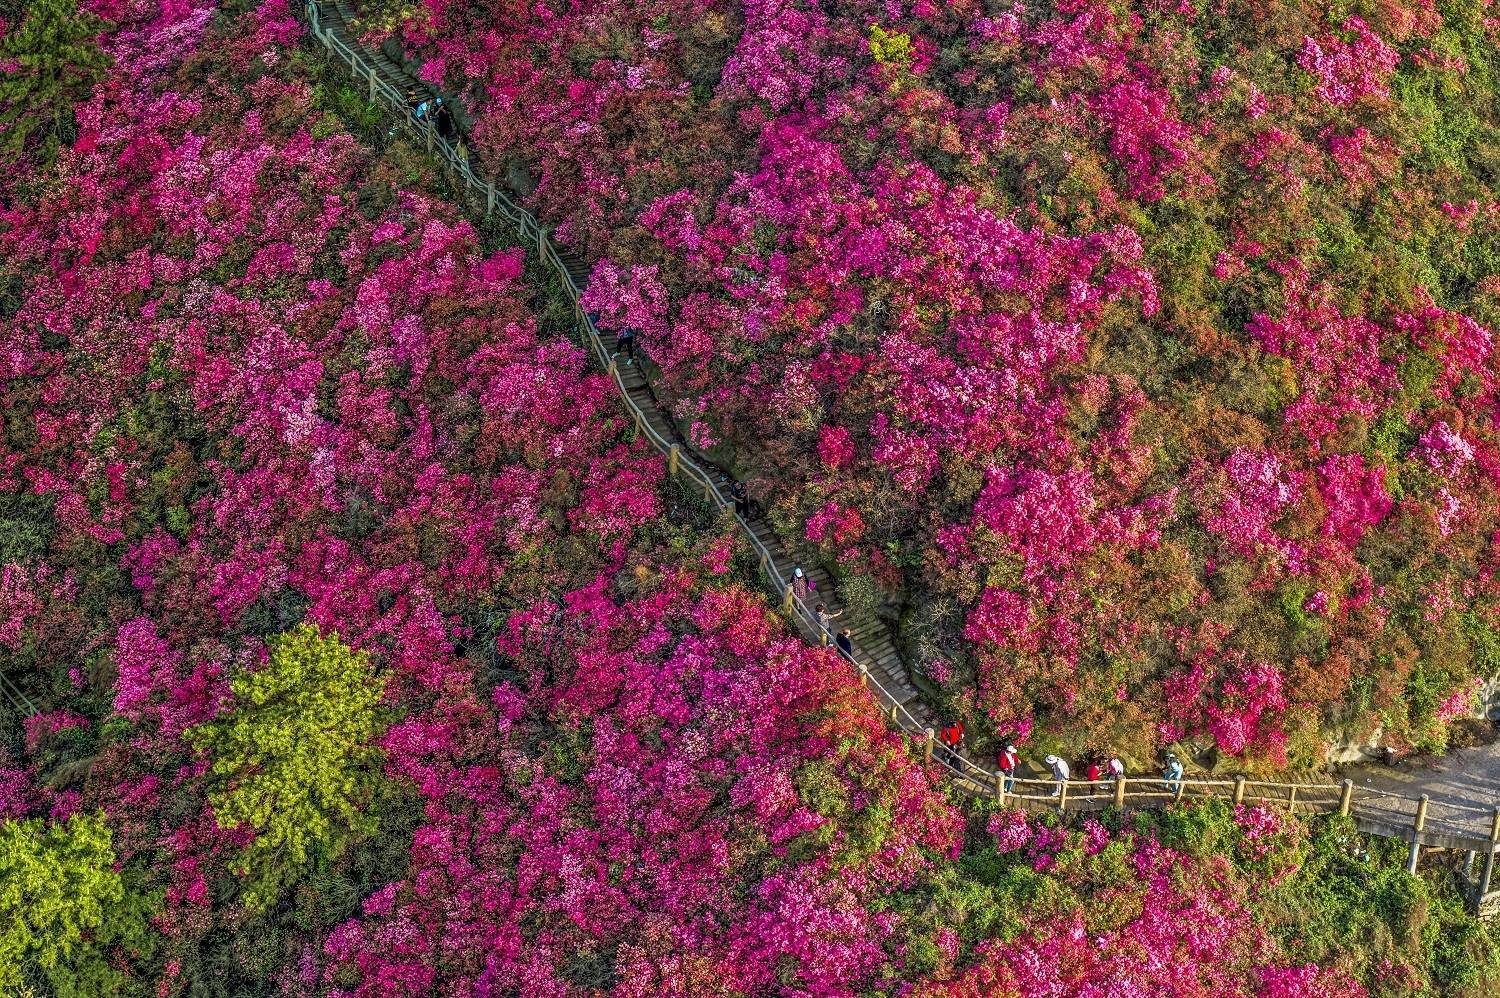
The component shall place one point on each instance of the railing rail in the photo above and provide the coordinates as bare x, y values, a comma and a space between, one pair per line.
1374, 806
17, 699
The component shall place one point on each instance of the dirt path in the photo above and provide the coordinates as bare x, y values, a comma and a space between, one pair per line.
1467, 778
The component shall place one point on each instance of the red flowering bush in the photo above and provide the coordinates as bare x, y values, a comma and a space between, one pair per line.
605, 813
264, 380
1202, 900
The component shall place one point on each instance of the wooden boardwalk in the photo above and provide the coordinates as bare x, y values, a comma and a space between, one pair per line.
875, 646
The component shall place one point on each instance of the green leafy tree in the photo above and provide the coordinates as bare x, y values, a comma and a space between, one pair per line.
891, 48
48, 62
295, 757
57, 882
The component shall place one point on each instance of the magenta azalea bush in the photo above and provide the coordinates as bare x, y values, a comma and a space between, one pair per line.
1123, 348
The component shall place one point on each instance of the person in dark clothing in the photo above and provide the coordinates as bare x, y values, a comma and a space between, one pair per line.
625, 343
412, 103
741, 499
845, 644
447, 127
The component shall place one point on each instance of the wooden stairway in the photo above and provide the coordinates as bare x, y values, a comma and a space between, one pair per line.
875, 648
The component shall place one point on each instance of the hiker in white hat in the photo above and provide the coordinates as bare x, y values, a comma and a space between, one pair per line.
1008, 762
1059, 772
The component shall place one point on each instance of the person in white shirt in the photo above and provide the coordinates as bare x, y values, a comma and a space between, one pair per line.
1059, 772
1115, 769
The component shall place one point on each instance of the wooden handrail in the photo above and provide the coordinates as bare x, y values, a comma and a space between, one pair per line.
967, 775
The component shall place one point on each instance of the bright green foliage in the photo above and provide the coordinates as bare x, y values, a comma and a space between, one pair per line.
56, 883
57, 61
1354, 896
893, 48
295, 756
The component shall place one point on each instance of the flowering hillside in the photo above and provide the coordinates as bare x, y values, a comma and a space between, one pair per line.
372, 655
1135, 359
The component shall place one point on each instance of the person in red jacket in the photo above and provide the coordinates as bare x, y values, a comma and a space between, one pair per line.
1095, 773
952, 738
1008, 762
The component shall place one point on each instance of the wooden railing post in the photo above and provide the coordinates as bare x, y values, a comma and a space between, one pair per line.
786, 600
1291, 801
672, 457
431, 131
864, 676
372, 84
1181, 785
926, 745
1346, 798
999, 787
893, 715
1120, 791
1239, 790
1489, 857
1062, 797
1416, 831
489, 198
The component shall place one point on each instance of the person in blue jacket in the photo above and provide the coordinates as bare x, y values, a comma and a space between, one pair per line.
1173, 773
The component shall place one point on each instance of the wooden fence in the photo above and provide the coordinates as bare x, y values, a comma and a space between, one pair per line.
1420, 821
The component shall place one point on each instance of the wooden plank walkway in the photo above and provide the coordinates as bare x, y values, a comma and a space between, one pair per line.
875, 646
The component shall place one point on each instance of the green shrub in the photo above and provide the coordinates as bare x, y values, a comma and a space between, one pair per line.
59, 896
57, 57
294, 757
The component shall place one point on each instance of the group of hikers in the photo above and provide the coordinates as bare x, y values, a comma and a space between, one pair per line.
802, 587
1097, 770
430, 109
